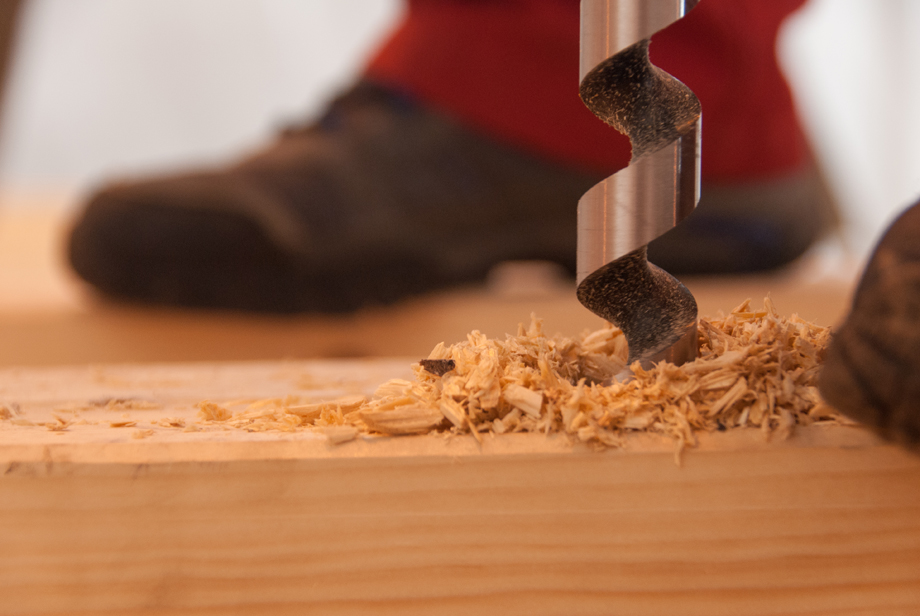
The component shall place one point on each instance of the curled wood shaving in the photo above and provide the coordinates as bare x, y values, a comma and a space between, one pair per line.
124, 404
755, 369
340, 434
403, 419
209, 411
9, 411
528, 400
122, 424
283, 414
59, 424
171, 422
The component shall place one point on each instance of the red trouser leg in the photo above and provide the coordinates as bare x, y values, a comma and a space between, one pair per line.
509, 68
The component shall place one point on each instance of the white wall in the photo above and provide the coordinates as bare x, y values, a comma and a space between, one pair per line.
855, 66
103, 87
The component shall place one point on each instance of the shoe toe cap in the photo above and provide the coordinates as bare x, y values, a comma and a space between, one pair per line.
187, 242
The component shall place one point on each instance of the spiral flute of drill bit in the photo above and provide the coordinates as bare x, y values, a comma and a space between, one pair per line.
618, 217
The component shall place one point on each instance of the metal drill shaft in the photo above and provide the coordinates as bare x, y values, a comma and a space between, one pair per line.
618, 217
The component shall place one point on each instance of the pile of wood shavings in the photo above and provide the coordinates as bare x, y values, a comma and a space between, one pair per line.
755, 369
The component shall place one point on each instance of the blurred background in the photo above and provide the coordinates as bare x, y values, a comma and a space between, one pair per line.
106, 87
103, 88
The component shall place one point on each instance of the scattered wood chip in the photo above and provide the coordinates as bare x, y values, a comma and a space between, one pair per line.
59, 424
453, 412
141, 433
124, 404
528, 400
340, 434
122, 424
438, 367
209, 411
170, 422
404, 419
756, 369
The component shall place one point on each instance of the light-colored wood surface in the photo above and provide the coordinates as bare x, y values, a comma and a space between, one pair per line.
96, 521
93, 521
47, 317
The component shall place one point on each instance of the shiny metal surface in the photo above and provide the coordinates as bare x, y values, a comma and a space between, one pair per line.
619, 216
610, 25
634, 206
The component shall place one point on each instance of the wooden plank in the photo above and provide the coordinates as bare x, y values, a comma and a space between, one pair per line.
821, 530
96, 522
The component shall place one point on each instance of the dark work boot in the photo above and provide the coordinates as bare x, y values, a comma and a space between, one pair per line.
380, 199
872, 368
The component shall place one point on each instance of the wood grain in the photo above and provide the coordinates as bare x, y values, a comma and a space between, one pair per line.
237, 523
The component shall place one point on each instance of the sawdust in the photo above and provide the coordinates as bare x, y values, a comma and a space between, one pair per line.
286, 414
122, 424
755, 369
208, 411
9, 412
59, 424
123, 404
170, 422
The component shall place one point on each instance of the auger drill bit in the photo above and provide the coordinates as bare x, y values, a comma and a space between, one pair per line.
618, 217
